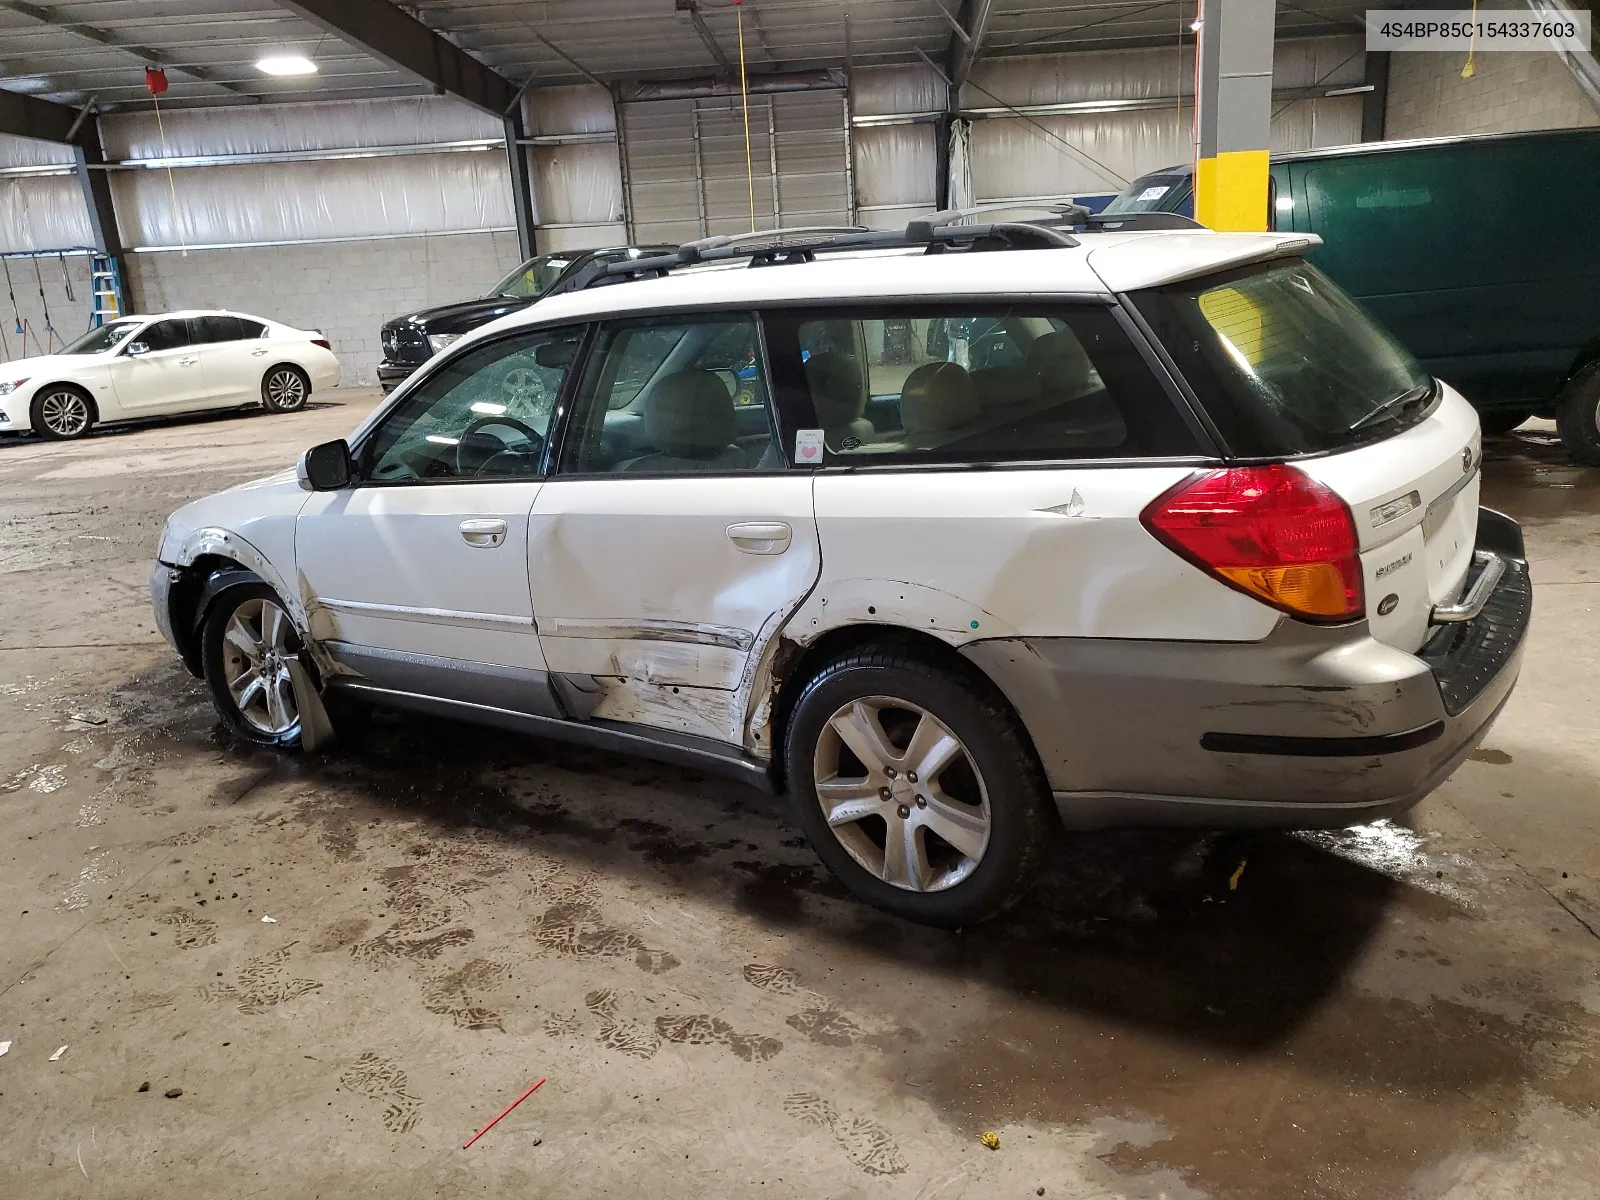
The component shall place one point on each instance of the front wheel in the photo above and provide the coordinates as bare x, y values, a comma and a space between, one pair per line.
917, 787
285, 389
247, 645
62, 413
1578, 416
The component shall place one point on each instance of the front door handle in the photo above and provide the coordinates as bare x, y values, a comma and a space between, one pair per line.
187, 362
485, 534
761, 537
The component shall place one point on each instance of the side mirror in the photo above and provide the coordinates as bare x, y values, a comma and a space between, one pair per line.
326, 468
137, 348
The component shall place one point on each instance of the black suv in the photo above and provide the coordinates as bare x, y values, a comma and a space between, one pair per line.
412, 339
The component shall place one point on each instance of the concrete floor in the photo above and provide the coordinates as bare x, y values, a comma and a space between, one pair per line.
1393, 1011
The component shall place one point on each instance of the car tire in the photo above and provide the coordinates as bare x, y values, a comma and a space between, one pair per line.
1503, 420
62, 412
948, 850
285, 389
251, 689
1578, 416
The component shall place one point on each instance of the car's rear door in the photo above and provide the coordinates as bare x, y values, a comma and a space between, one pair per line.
663, 562
232, 364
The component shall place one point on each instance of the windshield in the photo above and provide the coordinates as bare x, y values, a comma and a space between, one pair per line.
1153, 193
1284, 361
534, 277
107, 337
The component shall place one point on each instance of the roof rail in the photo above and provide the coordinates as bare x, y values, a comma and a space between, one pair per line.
936, 233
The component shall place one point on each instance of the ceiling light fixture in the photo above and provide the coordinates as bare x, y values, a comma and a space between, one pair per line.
286, 64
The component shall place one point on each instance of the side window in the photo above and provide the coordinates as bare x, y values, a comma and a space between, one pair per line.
484, 416
250, 330
215, 328
166, 335
1020, 383
674, 396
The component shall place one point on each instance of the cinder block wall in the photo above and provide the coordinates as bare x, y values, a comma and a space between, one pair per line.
68, 318
1511, 92
345, 289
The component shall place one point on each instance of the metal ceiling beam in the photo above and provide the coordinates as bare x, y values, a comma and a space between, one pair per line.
52, 17
405, 43
704, 30
964, 50
29, 116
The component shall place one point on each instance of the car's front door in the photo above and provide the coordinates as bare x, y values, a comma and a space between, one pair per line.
418, 573
673, 539
159, 370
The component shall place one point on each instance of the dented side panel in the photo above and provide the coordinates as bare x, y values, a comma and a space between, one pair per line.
648, 586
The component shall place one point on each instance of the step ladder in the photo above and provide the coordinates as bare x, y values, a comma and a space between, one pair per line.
105, 280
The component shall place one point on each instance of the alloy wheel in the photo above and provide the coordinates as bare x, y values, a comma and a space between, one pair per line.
285, 390
901, 794
65, 414
257, 646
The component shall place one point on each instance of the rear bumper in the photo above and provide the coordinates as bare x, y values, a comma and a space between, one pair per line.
1311, 727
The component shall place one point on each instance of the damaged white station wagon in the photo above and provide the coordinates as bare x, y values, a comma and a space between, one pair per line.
954, 536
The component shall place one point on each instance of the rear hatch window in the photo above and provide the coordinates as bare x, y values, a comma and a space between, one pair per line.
1286, 363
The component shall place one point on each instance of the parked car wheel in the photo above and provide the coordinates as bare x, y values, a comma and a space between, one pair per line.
1503, 420
247, 644
1578, 416
916, 787
62, 412
285, 389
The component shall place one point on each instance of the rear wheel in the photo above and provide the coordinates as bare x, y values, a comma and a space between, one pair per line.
917, 787
1578, 416
62, 412
248, 642
1503, 420
285, 389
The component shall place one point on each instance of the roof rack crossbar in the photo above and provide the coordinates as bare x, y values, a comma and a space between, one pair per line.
936, 231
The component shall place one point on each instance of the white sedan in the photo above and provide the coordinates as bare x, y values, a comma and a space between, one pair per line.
154, 366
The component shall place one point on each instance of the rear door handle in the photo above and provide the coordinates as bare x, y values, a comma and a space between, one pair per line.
259, 351
485, 534
761, 537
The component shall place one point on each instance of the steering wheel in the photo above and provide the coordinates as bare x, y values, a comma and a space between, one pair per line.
470, 459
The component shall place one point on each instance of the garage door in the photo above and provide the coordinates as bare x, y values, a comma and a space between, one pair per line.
686, 164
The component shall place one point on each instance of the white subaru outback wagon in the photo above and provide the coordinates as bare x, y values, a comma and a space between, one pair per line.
955, 537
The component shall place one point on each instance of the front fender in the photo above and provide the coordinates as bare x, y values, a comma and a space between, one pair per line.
212, 542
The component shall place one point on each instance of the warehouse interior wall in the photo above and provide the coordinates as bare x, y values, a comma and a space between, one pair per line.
347, 290
52, 303
336, 216
1511, 92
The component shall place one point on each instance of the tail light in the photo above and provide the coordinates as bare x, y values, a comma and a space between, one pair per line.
323, 342
1271, 532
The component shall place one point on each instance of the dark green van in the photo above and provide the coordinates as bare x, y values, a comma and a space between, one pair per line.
1481, 253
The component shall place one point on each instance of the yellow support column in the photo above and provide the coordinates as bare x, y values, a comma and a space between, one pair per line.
1234, 114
